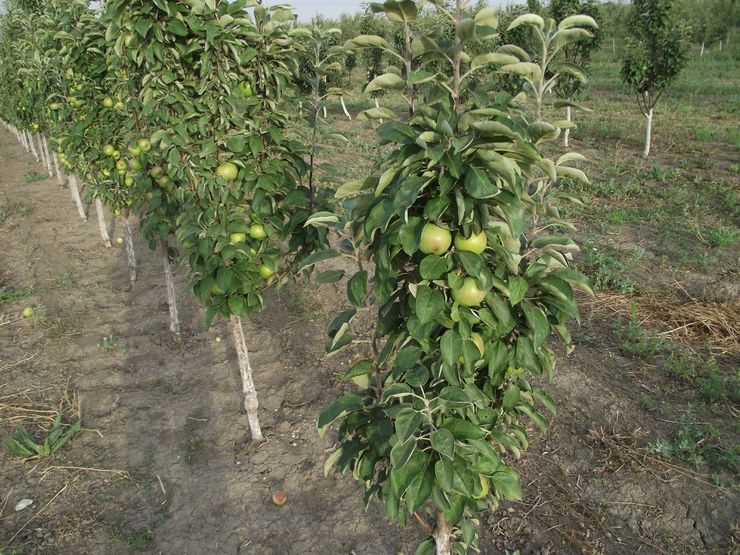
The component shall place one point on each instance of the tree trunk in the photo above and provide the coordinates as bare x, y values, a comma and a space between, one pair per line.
250, 393
443, 535
300, 108
648, 133
344, 108
614, 46
75, 191
701, 52
128, 238
566, 136
324, 110
60, 177
101, 222
24, 142
48, 156
720, 45
377, 105
170, 281
44, 162
33, 146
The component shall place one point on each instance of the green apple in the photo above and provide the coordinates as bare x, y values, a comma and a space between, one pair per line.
228, 171
434, 239
129, 181
265, 272
108, 150
119, 105
156, 172
116, 154
134, 150
116, 212
108, 102
257, 231
119, 240
476, 243
469, 294
134, 165
144, 144
28, 312
164, 181
237, 238
121, 165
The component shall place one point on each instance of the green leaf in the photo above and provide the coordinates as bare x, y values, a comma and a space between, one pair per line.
345, 404
493, 58
360, 368
430, 303
443, 442
357, 288
427, 547
330, 276
478, 185
530, 19
451, 347
408, 421
507, 484
401, 452
462, 429
444, 475
419, 490
433, 267
387, 81
537, 323
511, 397
517, 289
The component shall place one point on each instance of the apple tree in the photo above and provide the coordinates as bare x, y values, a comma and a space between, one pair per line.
472, 275
656, 52
215, 76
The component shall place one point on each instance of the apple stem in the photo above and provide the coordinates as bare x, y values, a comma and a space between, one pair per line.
60, 177
169, 280
75, 191
101, 222
245, 369
130, 253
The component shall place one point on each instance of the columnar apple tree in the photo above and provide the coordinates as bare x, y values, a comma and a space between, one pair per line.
472, 277
214, 77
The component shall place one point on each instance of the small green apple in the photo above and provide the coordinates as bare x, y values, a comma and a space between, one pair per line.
257, 231
434, 239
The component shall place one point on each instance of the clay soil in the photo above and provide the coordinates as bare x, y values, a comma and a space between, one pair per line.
164, 463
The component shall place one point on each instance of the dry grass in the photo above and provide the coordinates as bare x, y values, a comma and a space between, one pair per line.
677, 317
24, 408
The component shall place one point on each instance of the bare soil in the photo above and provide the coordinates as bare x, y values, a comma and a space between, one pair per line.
164, 463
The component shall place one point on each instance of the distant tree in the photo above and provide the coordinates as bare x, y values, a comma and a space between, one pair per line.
655, 55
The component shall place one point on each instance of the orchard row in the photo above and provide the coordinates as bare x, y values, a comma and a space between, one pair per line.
180, 113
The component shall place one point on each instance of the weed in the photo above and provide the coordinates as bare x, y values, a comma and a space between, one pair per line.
31, 177
10, 294
607, 272
636, 340
21, 443
647, 402
108, 342
662, 175
696, 444
722, 236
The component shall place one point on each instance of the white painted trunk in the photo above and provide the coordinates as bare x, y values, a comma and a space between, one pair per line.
170, 281
48, 156
443, 535
344, 108
128, 238
24, 141
648, 133
245, 369
300, 108
75, 192
377, 105
720, 46
566, 136
324, 110
701, 52
101, 222
55, 160
34, 148
614, 46
44, 160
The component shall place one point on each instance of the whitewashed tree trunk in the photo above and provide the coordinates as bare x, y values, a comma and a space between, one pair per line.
566, 135
324, 110
377, 105
300, 108
443, 535
44, 161
170, 281
31, 146
48, 156
24, 142
701, 52
648, 133
34, 148
75, 192
101, 222
720, 45
344, 108
55, 160
245, 369
614, 46
128, 238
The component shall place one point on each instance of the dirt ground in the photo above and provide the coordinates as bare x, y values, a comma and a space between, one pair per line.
164, 465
